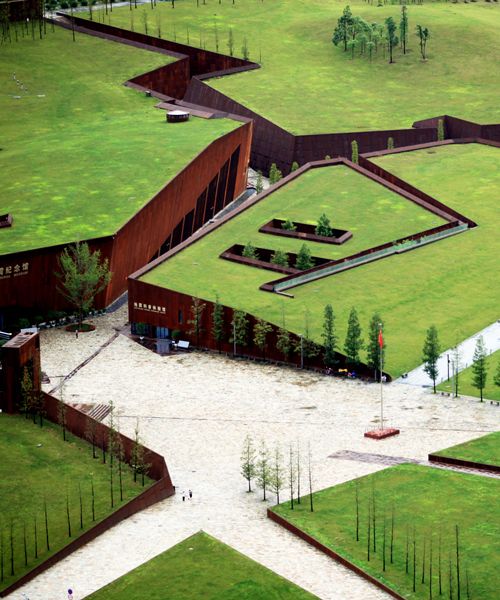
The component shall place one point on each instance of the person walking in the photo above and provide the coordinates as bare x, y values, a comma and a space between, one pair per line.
183, 496
76, 333
190, 494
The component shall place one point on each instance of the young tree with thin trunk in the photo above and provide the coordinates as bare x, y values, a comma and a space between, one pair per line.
68, 515
479, 366
35, 537
374, 517
248, 465
392, 536
329, 337
353, 341
230, 42
414, 560
291, 475
25, 544
259, 183
440, 580
83, 275
305, 346
342, 32
373, 349
218, 323
298, 470
239, 329
354, 152
423, 35
440, 130
261, 330
423, 559
92, 496
356, 498
368, 537
196, 320
11, 544
407, 550
81, 504
61, 415
294, 167
263, 470
403, 27
90, 434
457, 561
310, 477
383, 542
390, 143
392, 38
274, 174
431, 352
46, 521
277, 476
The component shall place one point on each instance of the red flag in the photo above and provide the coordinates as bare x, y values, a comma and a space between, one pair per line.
380, 339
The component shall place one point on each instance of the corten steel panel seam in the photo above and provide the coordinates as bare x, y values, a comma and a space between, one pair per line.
331, 553
76, 423
466, 464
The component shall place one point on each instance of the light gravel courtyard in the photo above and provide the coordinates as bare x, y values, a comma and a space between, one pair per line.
196, 410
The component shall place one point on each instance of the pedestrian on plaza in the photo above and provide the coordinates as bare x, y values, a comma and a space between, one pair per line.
76, 333
190, 494
70, 594
183, 496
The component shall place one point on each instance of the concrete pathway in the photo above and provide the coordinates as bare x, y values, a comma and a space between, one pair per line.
491, 336
196, 409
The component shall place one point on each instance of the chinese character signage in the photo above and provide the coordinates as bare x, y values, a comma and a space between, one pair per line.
150, 307
14, 270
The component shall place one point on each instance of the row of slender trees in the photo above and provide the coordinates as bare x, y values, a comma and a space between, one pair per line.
277, 471
287, 344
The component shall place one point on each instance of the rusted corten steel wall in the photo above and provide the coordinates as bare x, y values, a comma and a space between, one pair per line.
20, 351
217, 175
178, 310
77, 423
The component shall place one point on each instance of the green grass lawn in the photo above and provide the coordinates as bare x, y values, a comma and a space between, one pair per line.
38, 467
413, 290
430, 502
307, 85
465, 387
201, 567
484, 450
80, 152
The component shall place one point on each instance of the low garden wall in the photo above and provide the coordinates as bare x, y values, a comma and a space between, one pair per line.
77, 423
331, 553
466, 464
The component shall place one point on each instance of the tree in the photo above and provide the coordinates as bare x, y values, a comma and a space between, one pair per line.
249, 251
291, 474
288, 225
263, 469
390, 143
90, 433
342, 31
305, 346
283, 342
83, 275
353, 340
354, 152
240, 329
145, 21
195, 322
392, 38
218, 323
304, 260
26, 391
244, 49
248, 466
456, 365
230, 42
423, 35
260, 331
431, 353
279, 258
440, 130
295, 166
274, 174
277, 477
329, 336
323, 227
374, 353
403, 27
479, 366
259, 183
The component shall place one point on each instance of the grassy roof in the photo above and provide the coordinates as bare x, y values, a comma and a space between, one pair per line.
81, 153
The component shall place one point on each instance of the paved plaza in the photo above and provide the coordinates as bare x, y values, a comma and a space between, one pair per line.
196, 410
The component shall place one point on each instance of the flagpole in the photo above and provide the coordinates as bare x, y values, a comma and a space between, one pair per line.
381, 384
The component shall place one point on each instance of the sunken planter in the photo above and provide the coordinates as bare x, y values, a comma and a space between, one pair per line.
304, 231
235, 254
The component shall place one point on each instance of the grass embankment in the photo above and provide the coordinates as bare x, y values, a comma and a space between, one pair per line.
81, 153
38, 468
430, 502
465, 387
307, 85
485, 450
201, 567
453, 283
